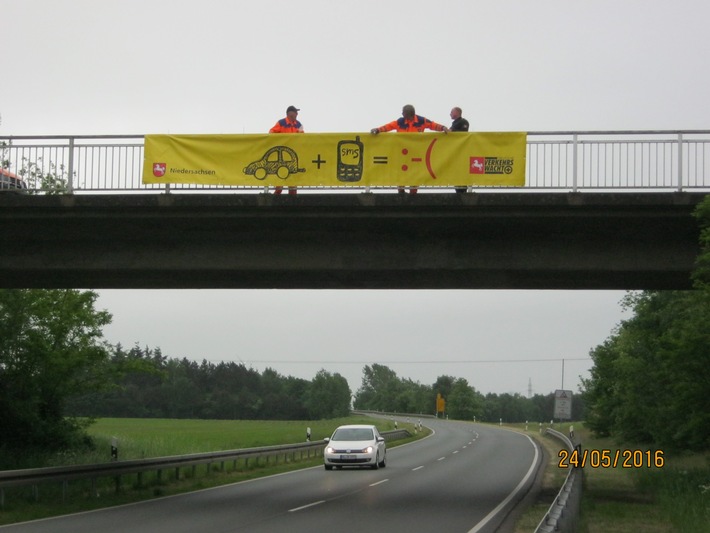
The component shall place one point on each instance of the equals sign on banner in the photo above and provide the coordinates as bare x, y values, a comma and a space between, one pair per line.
379, 160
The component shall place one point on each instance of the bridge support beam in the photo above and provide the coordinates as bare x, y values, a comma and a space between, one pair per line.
350, 241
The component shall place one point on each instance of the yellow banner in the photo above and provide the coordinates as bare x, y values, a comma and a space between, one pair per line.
338, 159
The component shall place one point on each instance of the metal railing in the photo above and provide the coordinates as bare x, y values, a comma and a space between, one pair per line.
64, 474
558, 161
563, 514
575, 161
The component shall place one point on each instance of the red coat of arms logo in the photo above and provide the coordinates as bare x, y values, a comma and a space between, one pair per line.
159, 169
477, 165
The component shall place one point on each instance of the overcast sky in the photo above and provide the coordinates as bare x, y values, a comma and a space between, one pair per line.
500, 341
174, 66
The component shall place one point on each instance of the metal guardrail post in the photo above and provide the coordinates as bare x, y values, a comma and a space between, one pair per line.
575, 146
70, 169
680, 162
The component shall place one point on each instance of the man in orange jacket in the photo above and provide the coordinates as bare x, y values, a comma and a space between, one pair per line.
410, 122
289, 124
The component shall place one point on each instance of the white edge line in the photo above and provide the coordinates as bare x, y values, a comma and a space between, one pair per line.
379, 482
505, 502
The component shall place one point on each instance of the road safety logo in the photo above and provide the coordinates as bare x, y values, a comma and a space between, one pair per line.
490, 165
477, 165
159, 169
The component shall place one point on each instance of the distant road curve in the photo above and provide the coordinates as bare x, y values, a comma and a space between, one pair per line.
464, 478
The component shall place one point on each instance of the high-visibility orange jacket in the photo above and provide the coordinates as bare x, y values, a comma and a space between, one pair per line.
286, 125
416, 123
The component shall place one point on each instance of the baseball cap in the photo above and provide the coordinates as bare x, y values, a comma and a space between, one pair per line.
291, 108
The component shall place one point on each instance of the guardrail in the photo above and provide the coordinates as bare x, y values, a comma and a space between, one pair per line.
116, 469
562, 161
563, 514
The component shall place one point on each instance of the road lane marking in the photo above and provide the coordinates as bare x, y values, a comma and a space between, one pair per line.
417, 468
441, 458
456, 451
305, 506
516, 490
379, 482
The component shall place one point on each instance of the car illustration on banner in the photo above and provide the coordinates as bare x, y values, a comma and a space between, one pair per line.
280, 161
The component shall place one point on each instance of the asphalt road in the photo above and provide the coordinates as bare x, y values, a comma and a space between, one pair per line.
464, 478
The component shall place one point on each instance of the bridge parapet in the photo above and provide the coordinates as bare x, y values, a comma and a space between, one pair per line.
555, 161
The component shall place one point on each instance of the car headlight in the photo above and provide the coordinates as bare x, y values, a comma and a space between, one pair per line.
330, 449
369, 449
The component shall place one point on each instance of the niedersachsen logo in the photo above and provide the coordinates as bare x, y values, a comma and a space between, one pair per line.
195, 171
491, 165
160, 169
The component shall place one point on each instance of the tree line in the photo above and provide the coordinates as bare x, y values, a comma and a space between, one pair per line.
149, 385
383, 390
651, 378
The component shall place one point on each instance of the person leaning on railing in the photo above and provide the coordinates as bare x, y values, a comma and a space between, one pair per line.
410, 122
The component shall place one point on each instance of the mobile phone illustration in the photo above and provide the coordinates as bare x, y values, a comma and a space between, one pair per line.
350, 157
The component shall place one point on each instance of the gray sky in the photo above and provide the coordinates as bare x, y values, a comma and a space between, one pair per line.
177, 66
483, 336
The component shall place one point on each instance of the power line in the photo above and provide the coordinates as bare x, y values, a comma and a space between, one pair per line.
438, 361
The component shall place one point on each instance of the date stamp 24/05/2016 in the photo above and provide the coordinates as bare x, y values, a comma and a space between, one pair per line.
579, 458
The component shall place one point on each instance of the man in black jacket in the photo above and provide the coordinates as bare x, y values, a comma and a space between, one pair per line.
459, 124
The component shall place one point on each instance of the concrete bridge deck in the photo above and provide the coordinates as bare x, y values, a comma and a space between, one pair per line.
350, 241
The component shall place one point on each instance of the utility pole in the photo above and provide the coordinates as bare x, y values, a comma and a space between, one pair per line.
563, 375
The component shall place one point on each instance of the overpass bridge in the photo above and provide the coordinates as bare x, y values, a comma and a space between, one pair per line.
600, 210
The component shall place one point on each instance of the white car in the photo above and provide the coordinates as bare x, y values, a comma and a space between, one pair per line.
355, 445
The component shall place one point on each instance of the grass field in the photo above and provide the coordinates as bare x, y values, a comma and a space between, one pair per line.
140, 438
144, 438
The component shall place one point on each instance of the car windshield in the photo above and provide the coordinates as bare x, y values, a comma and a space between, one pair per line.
353, 434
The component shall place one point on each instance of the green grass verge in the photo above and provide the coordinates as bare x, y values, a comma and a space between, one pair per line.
143, 438
673, 498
